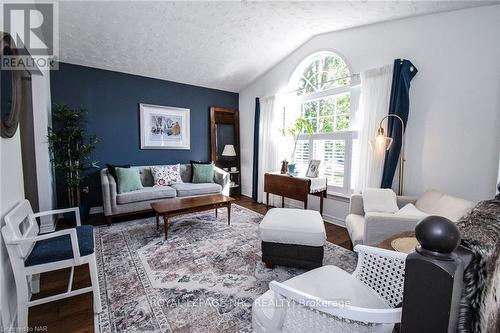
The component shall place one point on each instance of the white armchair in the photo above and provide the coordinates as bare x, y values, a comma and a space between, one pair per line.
31, 254
328, 299
373, 228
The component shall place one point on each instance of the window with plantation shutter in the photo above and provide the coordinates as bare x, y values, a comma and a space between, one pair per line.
328, 96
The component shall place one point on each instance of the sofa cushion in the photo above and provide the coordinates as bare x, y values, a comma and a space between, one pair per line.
112, 169
379, 200
145, 194
411, 210
146, 175
293, 226
189, 189
128, 180
59, 248
355, 225
437, 203
164, 175
202, 173
198, 162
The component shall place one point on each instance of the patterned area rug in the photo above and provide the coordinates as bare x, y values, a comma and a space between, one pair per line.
204, 278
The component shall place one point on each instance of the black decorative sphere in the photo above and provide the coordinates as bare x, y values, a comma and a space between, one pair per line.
437, 234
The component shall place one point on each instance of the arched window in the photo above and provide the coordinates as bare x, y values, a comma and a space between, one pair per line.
328, 93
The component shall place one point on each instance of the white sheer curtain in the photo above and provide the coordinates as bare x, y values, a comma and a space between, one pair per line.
272, 150
373, 106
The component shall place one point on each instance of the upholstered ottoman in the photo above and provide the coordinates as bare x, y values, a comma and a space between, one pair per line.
292, 237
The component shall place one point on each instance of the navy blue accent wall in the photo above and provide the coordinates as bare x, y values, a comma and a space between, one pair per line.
112, 101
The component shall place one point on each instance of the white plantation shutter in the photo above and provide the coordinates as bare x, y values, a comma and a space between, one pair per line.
302, 155
332, 154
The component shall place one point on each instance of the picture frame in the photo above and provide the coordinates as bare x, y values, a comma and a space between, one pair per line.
164, 127
313, 169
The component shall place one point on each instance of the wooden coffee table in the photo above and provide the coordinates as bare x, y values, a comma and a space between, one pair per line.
178, 206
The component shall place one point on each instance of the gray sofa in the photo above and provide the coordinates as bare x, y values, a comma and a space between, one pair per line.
139, 201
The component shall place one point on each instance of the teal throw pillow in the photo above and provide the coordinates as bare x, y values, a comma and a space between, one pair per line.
203, 173
128, 180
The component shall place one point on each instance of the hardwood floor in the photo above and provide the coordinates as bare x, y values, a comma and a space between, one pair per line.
75, 314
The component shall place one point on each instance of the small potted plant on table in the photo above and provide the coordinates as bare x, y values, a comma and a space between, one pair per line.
300, 126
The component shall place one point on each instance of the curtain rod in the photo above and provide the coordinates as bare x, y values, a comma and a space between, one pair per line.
355, 77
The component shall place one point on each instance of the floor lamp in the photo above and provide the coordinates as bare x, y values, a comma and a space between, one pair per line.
382, 143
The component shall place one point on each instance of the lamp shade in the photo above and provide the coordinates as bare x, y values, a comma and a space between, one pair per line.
380, 143
229, 151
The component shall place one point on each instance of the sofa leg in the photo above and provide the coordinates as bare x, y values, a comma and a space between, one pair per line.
108, 220
269, 265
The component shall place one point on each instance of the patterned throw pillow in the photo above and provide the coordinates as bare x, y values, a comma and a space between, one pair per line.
166, 174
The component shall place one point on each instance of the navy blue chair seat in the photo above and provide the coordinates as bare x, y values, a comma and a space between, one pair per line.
59, 248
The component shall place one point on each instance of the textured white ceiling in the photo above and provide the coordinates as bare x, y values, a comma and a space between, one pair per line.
223, 45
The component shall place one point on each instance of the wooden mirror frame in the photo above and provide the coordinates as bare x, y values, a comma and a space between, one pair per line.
9, 126
220, 115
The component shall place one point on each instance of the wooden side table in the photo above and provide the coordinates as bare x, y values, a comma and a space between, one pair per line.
235, 186
296, 188
386, 243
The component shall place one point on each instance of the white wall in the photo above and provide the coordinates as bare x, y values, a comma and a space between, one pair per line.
42, 120
12, 192
452, 136
12, 186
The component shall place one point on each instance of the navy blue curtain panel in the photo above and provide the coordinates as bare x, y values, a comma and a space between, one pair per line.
399, 105
256, 134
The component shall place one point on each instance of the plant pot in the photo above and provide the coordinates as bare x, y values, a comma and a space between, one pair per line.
292, 169
70, 218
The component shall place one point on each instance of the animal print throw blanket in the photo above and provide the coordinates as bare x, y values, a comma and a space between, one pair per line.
480, 302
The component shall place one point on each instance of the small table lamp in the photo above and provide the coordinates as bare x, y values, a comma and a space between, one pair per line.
229, 151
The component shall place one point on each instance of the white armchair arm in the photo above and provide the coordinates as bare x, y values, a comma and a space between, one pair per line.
380, 226
221, 177
71, 232
76, 210
337, 309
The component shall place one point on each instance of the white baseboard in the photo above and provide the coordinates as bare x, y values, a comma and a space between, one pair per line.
96, 210
326, 217
13, 322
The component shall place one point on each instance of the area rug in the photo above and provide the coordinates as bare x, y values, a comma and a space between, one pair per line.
204, 278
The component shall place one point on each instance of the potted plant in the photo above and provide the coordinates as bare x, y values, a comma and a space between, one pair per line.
301, 125
71, 149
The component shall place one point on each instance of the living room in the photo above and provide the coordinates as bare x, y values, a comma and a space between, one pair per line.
183, 166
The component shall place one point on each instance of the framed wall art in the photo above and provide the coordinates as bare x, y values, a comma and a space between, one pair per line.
313, 169
164, 127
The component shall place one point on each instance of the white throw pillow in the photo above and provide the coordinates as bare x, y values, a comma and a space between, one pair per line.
165, 175
436, 203
411, 210
379, 200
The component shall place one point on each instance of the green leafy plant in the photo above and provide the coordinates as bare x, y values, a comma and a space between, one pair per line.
301, 125
71, 149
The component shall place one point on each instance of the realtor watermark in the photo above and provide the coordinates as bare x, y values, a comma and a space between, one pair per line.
32, 42
246, 302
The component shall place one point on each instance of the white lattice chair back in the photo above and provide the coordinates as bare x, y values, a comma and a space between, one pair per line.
383, 271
